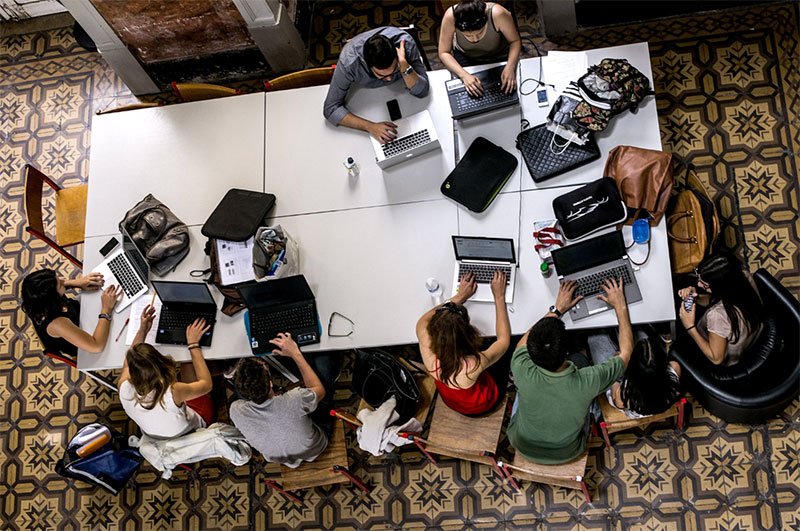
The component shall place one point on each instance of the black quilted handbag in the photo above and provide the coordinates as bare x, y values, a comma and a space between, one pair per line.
543, 163
378, 376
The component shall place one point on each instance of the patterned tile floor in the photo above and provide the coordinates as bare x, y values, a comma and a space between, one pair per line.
727, 91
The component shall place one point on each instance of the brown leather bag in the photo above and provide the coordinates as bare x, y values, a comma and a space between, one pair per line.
644, 179
692, 226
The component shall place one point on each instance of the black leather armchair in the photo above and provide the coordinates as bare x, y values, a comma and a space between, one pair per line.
766, 379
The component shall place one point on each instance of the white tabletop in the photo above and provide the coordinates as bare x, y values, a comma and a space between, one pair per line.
186, 155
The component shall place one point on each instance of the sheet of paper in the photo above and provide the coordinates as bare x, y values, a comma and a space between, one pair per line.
235, 261
136, 317
559, 68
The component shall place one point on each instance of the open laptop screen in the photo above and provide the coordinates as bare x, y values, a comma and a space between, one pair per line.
492, 249
183, 292
134, 255
584, 255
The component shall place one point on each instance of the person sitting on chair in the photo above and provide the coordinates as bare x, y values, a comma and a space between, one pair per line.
733, 320
55, 316
451, 350
292, 427
373, 59
155, 390
475, 32
550, 419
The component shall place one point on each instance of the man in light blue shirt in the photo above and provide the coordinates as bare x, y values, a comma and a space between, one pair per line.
374, 59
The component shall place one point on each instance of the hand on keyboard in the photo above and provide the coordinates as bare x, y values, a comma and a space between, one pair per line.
473, 85
615, 293
499, 285
566, 298
110, 298
195, 331
286, 346
382, 131
467, 287
509, 78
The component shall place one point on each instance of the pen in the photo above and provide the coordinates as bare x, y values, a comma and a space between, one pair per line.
122, 329
153, 300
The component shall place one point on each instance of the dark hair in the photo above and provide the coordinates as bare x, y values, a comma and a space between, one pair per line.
252, 379
379, 52
453, 339
40, 297
648, 387
470, 15
547, 343
724, 274
150, 372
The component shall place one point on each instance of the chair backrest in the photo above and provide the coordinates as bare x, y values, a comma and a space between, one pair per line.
201, 91
310, 77
411, 29
140, 105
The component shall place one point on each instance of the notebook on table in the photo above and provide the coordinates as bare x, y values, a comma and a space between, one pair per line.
483, 256
415, 136
181, 304
590, 263
283, 305
128, 268
463, 105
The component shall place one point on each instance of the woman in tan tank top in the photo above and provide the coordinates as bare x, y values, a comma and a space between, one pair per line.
477, 32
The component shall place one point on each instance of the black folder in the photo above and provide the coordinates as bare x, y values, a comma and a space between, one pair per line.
479, 175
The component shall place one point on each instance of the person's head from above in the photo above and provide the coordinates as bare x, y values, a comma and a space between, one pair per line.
471, 20
380, 56
453, 339
42, 294
252, 380
648, 387
722, 275
151, 374
547, 343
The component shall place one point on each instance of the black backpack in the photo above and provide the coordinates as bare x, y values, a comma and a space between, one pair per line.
378, 376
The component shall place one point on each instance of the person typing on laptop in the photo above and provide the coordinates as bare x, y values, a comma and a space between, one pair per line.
470, 380
550, 417
373, 59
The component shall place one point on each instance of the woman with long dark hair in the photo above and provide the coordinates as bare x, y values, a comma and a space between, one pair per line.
55, 316
733, 318
452, 352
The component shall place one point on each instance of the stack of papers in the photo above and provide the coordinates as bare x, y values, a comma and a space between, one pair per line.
559, 68
137, 307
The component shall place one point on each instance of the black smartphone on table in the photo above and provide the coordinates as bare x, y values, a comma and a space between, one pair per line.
394, 110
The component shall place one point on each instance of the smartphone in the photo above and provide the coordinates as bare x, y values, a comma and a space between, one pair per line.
394, 110
541, 97
109, 246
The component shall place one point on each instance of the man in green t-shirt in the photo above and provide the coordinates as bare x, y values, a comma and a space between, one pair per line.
549, 422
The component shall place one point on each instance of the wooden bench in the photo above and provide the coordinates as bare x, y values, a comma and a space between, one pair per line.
569, 475
615, 420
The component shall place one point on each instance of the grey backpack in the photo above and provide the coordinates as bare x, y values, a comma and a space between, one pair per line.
159, 234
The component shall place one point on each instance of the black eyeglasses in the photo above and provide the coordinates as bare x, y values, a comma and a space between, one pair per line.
341, 316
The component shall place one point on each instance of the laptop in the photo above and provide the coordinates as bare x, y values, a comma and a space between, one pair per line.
463, 105
589, 263
181, 304
129, 269
415, 136
280, 305
483, 256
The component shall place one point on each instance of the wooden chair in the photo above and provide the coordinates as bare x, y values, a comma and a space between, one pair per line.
329, 468
569, 475
132, 106
70, 212
615, 420
201, 91
310, 77
71, 362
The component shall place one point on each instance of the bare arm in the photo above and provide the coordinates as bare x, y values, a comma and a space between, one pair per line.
183, 391
615, 297
96, 341
715, 349
505, 23
446, 33
287, 347
502, 325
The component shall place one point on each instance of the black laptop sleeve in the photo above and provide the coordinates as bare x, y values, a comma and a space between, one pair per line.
479, 175
238, 215
543, 163
590, 208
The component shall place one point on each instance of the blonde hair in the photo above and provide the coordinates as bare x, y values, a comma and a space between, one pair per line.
151, 373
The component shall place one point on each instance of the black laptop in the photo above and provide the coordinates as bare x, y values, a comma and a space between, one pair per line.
463, 105
182, 303
281, 305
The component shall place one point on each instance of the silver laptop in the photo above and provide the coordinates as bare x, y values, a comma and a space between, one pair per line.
415, 136
128, 268
590, 263
483, 256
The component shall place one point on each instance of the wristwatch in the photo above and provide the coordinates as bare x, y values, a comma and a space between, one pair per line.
556, 311
408, 70
104, 316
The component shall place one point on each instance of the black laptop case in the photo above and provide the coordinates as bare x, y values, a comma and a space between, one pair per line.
238, 215
534, 144
479, 175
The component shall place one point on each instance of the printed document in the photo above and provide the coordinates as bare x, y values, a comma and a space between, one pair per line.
235, 261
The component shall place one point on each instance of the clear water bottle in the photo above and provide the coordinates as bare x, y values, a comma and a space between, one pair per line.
352, 168
435, 291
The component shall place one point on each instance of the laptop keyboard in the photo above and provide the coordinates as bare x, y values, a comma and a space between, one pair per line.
491, 94
484, 273
592, 284
282, 320
127, 278
406, 143
179, 320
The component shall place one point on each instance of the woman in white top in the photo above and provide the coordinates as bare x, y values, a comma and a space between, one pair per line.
151, 391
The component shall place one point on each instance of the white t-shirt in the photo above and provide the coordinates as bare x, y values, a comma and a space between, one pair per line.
162, 422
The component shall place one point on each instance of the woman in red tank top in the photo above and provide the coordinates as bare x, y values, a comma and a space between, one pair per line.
451, 350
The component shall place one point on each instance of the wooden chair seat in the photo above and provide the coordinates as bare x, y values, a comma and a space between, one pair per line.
310, 77
615, 420
456, 435
568, 475
319, 471
71, 214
